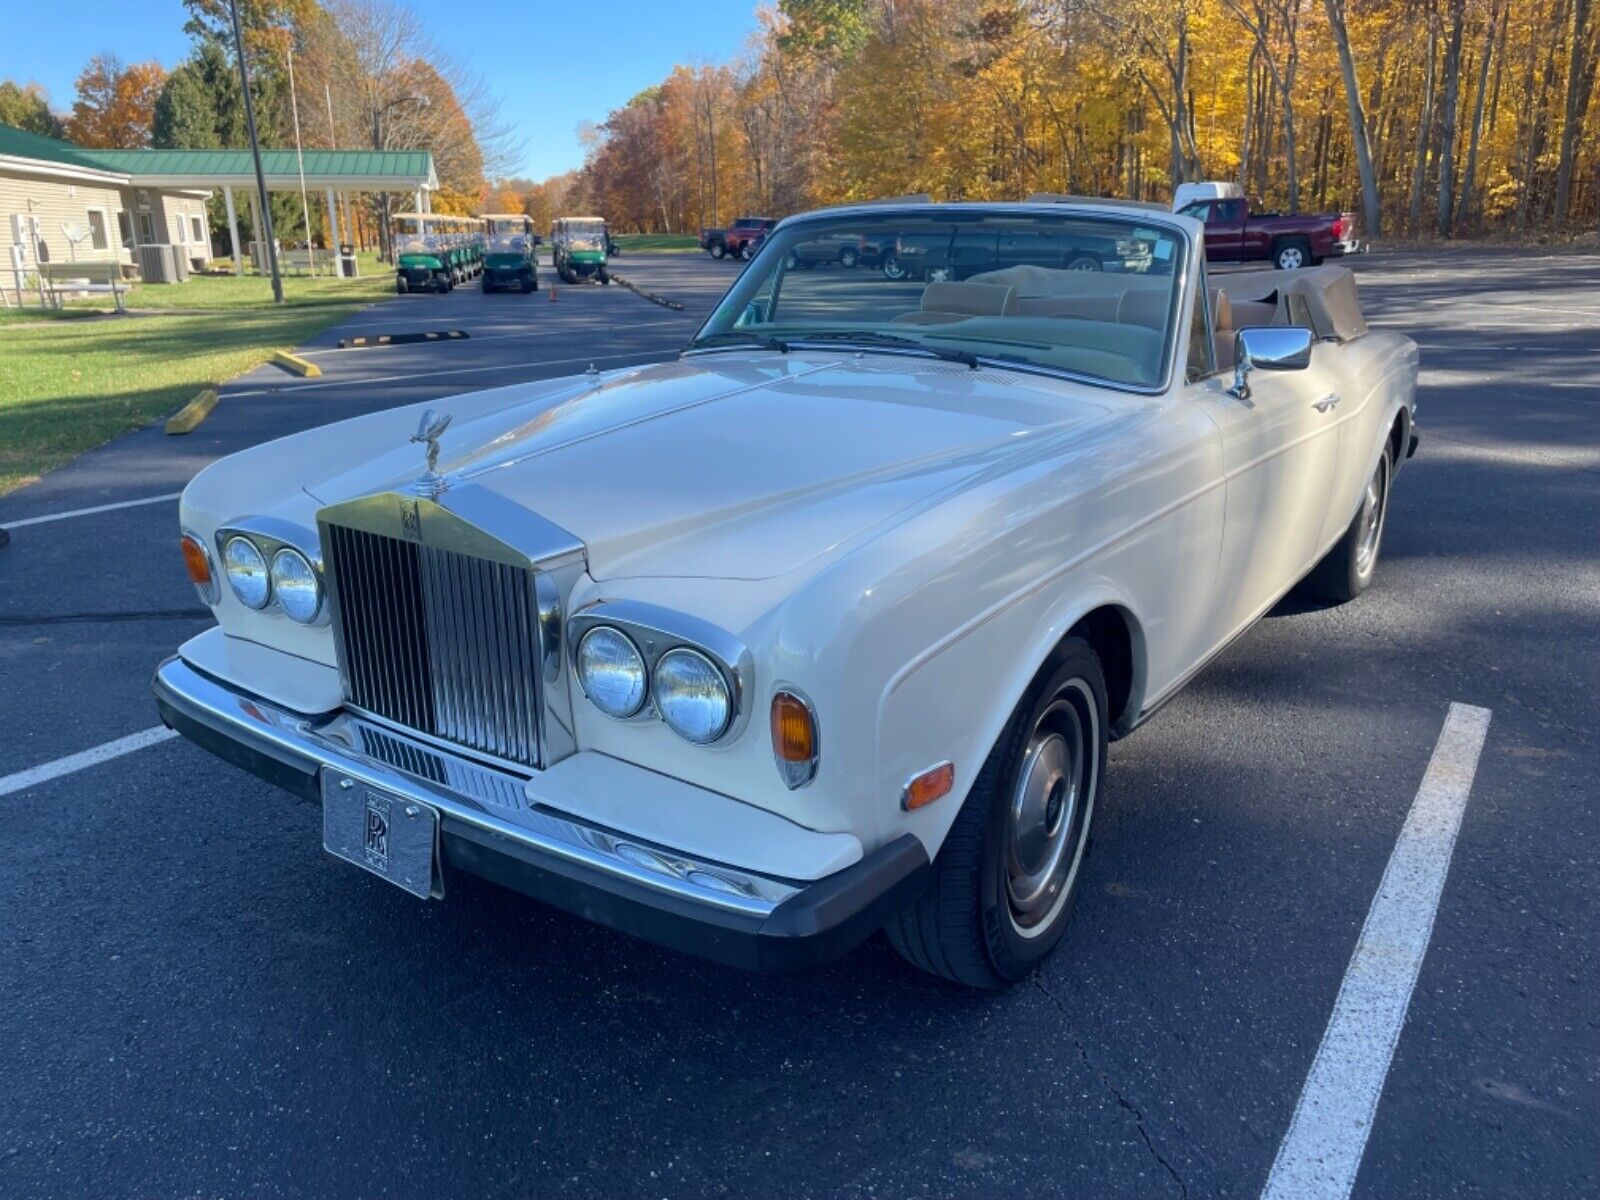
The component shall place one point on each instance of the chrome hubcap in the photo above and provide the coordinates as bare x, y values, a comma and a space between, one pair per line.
1049, 811
1290, 259
1370, 528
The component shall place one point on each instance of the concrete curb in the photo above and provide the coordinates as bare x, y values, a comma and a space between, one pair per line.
187, 419
650, 296
293, 362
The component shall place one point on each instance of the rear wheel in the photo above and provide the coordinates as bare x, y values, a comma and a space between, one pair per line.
718, 250
893, 268
1347, 569
791, 261
1291, 256
849, 256
1006, 877
1084, 262
402, 285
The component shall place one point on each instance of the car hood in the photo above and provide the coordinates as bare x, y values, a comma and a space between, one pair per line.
737, 465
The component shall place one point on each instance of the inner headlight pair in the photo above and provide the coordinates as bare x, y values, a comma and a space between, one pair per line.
290, 577
690, 693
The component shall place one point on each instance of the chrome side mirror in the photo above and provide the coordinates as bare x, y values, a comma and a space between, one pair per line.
1270, 347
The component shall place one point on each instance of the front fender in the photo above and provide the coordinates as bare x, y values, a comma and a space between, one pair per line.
953, 703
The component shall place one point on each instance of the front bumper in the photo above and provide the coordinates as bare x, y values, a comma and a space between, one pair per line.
746, 920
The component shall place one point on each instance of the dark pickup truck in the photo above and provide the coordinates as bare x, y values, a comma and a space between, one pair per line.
737, 238
1236, 234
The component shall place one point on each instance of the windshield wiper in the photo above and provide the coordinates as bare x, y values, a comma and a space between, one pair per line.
762, 341
873, 338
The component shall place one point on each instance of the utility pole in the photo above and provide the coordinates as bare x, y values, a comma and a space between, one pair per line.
255, 153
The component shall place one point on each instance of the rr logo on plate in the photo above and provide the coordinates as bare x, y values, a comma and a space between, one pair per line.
377, 839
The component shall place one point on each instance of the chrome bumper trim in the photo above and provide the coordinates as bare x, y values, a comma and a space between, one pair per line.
466, 793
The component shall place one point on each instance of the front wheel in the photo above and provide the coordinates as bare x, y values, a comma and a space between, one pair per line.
603, 276
718, 250
893, 268
402, 285
1006, 876
487, 285
1347, 570
1084, 262
849, 256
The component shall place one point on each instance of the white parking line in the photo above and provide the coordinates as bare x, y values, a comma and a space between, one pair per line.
1322, 1150
86, 512
34, 776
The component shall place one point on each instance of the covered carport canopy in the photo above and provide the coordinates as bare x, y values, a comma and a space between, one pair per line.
330, 171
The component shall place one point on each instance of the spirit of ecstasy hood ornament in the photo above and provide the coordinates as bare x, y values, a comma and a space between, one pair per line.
428, 431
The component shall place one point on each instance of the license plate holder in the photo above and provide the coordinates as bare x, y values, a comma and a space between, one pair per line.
393, 837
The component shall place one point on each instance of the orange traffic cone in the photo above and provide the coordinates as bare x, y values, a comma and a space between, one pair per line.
552, 292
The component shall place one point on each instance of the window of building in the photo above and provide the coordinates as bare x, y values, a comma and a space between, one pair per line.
125, 227
147, 228
99, 233
197, 228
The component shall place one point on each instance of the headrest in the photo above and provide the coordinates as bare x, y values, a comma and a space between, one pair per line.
1144, 306
970, 299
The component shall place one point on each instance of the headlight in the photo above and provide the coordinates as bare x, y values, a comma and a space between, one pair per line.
296, 585
692, 696
247, 572
611, 671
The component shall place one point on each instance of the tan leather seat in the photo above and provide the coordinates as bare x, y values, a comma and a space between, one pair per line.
945, 300
1222, 330
1145, 306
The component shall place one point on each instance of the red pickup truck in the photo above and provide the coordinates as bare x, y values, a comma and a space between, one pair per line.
1236, 234
736, 240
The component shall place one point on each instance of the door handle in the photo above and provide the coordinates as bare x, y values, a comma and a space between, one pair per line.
1327, 404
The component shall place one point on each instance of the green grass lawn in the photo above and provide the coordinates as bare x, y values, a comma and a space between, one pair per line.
656, 243
69, 384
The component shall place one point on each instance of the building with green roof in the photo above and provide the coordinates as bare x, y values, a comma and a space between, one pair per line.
65, 203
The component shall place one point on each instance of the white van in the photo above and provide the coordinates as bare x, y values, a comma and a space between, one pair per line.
1188, 193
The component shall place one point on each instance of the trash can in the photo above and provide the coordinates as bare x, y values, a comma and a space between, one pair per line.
347, 260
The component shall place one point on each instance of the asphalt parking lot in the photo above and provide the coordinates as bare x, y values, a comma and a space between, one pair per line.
198, 1001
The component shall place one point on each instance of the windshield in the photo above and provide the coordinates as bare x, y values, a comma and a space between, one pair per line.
586, 235
1095, 296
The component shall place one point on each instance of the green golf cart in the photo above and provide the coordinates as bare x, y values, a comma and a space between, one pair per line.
509, 260
423, 260
579, 245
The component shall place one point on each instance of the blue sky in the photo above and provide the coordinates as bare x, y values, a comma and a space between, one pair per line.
583, 59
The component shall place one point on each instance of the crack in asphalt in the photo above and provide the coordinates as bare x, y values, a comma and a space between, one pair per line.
1123, 1102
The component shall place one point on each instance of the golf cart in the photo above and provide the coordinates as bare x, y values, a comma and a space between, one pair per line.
578, 246
509, 257
423, 259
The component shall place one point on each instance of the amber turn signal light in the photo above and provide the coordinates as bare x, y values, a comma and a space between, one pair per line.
197, 561
924, 789
794, 739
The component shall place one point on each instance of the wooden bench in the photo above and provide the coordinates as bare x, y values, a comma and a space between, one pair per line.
99, 277
301, 260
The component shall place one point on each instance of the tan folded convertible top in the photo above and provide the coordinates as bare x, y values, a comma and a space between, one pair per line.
1327, 294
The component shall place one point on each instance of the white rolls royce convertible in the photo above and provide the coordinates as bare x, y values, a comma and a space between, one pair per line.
822, 627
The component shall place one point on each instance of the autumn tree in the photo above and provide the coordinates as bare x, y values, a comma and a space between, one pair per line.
115, 103
25, 106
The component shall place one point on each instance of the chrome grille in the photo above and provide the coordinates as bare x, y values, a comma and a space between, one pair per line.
438, 641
